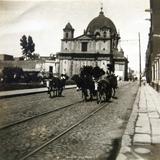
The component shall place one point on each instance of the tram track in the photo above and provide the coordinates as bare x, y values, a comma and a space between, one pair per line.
30, 138
92, 113
62, 133
36, 116
39, 115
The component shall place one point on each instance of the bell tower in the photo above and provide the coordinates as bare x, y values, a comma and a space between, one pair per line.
68, 31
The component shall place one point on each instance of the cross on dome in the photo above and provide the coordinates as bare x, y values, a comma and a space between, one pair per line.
101, 6
101, 12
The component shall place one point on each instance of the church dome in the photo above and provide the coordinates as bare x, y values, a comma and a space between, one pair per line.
101, 22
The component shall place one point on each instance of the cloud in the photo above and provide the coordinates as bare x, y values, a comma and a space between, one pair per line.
28, 19
45, 20
25, 26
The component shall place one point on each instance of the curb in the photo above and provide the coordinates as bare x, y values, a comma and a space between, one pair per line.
8, 94
129, 131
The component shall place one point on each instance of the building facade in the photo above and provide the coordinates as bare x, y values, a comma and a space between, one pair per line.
44, 65
120, 65
5, 57
94, 47
153, 49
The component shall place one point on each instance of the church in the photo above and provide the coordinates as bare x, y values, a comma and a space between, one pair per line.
97, 46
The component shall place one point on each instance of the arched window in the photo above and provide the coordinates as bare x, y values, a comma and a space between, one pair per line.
97, 34
67, 35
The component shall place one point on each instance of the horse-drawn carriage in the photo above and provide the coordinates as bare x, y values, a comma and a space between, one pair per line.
56, 85
92, 84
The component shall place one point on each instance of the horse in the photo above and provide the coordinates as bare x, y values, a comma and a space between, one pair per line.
56, 85
86, 84
113, 82
90, 79
104, 90
76, 78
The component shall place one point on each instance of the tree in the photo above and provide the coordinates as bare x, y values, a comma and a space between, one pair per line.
12, 74
28, 47
24, 44
35, 56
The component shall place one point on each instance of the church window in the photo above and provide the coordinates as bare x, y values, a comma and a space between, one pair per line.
104, 34
97, 34
104, 49
65, 48
84, 46
66, 35
51, 69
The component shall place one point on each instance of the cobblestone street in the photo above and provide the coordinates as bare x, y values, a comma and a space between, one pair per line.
17, 108
79, 80
95, 138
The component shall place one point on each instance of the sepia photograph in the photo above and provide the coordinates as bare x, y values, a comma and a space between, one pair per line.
79, 79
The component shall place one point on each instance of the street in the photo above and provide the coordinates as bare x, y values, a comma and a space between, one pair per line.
79, 80
97, 137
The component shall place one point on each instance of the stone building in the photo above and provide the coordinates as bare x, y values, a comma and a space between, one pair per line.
5, 57
45, 65
120, 65
153, 49
95, 46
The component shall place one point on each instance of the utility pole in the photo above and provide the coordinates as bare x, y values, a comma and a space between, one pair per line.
139, 59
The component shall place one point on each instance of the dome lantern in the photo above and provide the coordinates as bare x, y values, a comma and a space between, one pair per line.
101, 12
101, 22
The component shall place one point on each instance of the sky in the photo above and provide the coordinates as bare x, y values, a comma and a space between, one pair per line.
45, 20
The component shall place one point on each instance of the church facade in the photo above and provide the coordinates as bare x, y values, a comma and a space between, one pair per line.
96, 46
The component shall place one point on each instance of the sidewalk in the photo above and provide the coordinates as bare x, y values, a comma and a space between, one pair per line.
141, 140
12, 93
4, 94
